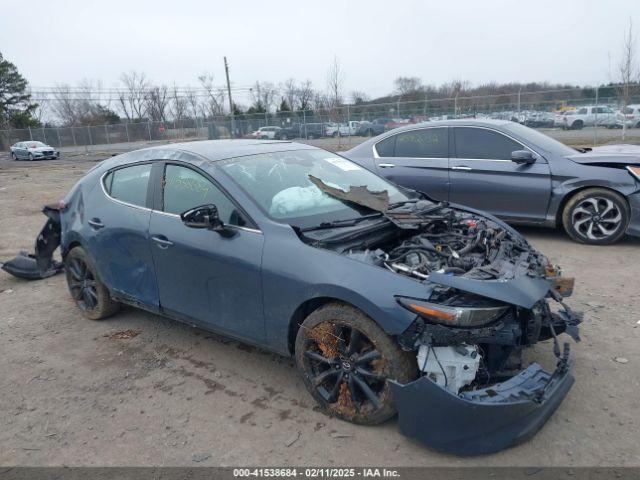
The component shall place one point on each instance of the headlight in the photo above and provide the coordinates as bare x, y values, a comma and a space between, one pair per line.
635, 171
453, 316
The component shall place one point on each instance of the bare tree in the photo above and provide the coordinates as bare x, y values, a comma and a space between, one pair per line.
628, 72
263, 95
191, 98
179, 104
407, 85
214, 104
289, 90
305, 95
335, 80
63, 105
158, 103
358, 97
133, 100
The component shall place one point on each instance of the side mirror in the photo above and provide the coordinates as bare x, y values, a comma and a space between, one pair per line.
523, 157
205, 216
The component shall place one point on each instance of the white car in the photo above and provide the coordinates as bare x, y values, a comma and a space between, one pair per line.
267, 133
629, 116
589, 116
342, 129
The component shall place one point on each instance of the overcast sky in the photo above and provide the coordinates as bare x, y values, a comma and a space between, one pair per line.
578, 42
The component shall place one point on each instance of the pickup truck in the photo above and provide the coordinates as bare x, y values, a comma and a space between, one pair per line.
375, 127
341, 129
588, 117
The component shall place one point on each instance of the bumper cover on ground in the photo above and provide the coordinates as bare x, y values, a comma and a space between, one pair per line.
485, 420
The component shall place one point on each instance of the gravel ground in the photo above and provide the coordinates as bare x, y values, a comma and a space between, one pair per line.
138, 389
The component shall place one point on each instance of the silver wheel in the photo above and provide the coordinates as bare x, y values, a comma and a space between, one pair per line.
596, 218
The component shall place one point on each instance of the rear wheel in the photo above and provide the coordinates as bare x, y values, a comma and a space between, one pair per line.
596, 216
13, 157
577, 125
346, 359
89, 293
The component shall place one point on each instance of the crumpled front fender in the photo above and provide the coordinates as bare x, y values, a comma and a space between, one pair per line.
481, 421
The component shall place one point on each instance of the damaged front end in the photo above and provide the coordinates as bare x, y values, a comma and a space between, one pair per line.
488, 297
40, 264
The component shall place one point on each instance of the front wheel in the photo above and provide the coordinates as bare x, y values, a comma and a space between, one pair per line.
31, 157
89, 293
596, 216
346, 359
13, 157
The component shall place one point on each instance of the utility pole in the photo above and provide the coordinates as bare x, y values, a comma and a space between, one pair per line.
233, 120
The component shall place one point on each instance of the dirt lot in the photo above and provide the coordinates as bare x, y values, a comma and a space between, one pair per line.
138, 389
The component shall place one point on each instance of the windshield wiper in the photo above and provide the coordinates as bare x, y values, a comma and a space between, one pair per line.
340, 223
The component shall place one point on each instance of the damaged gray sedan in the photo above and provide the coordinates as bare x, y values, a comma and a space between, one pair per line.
389, 301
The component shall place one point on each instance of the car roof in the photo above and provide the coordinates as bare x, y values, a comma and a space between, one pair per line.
454, 122
215, 150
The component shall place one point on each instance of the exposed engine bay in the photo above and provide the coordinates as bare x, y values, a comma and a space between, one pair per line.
454, 251
453, 242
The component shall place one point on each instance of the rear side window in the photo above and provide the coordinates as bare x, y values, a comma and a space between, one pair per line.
481, 143
129, 184
427, 143
386, 147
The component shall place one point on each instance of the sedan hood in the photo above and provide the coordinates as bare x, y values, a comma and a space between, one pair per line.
613, 155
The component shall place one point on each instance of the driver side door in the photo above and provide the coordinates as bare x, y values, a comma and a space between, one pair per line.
483, 176
202, 276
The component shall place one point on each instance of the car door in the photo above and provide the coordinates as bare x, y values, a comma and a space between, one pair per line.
483, 176
416, 159
21, 150
212, 279
116, 225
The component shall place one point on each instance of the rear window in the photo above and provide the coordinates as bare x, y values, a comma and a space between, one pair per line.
129, 184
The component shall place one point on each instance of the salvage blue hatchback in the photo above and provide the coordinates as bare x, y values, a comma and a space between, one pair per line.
389, 301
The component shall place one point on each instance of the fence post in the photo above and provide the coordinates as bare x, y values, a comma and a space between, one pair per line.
89, 132
73, 136
30, 134
595, 130
149, 128
44, 135
304, 122
58, 134
126, 129
106, 132
348, 125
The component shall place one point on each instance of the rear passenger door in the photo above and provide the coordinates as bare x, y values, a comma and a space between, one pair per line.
484, 177
115, 230
417, 159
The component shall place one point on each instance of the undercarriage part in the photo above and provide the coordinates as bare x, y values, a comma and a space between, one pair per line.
481, 421
40, 264
450, 367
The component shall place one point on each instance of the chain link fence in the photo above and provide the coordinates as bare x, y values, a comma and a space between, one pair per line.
539, 109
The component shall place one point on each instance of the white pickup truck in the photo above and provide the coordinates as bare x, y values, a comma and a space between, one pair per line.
341, 129
588, 117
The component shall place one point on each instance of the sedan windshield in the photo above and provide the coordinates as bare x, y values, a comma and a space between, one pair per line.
539, 139
282, 184
35, 145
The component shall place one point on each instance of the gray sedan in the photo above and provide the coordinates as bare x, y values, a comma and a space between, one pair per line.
514, 172
33, 150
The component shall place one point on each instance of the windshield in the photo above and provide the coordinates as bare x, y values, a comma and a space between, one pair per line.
36, 144
280, 184
538, 139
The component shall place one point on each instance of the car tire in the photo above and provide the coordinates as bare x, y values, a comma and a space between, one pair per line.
577, 125
349, 380
283, 136
13, 157
31, 157
596, 216
86, 288
334, 134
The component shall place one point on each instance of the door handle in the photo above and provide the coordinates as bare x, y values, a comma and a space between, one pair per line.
461, 167
162, 241
386, 165
96, 224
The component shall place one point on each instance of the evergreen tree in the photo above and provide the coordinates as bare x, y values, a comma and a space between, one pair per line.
16, 107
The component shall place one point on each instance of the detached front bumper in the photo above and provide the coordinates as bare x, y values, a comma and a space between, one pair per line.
481, 421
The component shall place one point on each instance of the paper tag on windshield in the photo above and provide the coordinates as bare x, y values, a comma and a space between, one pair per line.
342, 164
